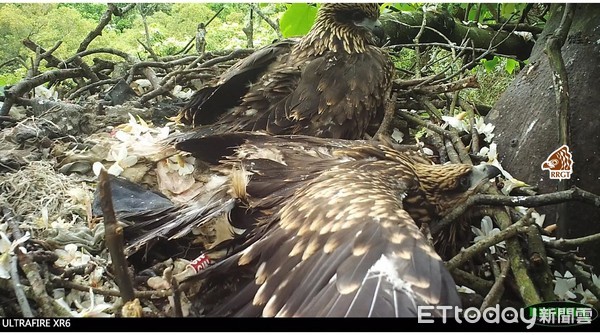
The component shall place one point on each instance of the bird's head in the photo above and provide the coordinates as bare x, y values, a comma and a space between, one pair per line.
350, 24
446, 186
356, 15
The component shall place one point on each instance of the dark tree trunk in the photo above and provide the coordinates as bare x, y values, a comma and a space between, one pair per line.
526, 120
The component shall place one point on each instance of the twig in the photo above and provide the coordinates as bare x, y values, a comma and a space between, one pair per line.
450, 46
176, 298
270, 22
516, 27
487, 242
14, 59
464, 278
148, 48
474, 134
62, 283
451, 152
585, 279
390, 108
464, 156
540, 269
52, 61
468, 82
77, 61
92, 85
32, 270
527, 289
573, 194
114, 238
497, 290
45, 54
167, 86
416, 40
18, 288
491, 49
563, 243
111, 51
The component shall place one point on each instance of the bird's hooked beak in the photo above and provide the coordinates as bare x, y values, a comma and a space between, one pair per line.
375, 27
482, 173
369, 24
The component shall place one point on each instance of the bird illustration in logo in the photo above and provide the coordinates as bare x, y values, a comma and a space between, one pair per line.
559, 163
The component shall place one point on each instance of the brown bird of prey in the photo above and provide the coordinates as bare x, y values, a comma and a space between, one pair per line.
332, 83
323, 227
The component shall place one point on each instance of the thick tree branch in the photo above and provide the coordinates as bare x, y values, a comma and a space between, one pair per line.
560, 79
104, 20
402, 27
23, 86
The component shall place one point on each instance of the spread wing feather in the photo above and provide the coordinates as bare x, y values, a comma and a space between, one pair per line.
358, 262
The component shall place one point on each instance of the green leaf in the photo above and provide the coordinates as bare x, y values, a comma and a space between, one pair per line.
510, 66
507, 9
297, 19
405, 7
490, 65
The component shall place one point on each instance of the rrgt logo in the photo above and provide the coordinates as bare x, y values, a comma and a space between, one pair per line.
559, 163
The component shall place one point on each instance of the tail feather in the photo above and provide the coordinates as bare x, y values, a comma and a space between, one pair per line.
173, 222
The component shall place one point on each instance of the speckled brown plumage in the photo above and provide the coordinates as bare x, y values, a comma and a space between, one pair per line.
328, 227
330, 83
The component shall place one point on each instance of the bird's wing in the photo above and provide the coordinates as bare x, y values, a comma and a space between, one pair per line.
338, 95
332, 95
341, 246
208, 103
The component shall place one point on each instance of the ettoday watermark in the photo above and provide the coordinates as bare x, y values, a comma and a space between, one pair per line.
554, 314
492, 314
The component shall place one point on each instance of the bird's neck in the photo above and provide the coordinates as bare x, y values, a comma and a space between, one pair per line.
325, 36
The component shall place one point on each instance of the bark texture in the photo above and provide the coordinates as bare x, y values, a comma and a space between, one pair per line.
526, 120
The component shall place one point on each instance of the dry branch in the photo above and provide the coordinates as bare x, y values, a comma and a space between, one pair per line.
495, 293
563, 243
52, 60
104, 20
573, 194
270, 22
25, 85
114, 238
61, 283
487, 242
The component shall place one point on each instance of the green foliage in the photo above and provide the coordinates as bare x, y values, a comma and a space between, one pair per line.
297, 19
12, 78
492, 65
92, 11
405, 7
493, 82
510, 66
43, 23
